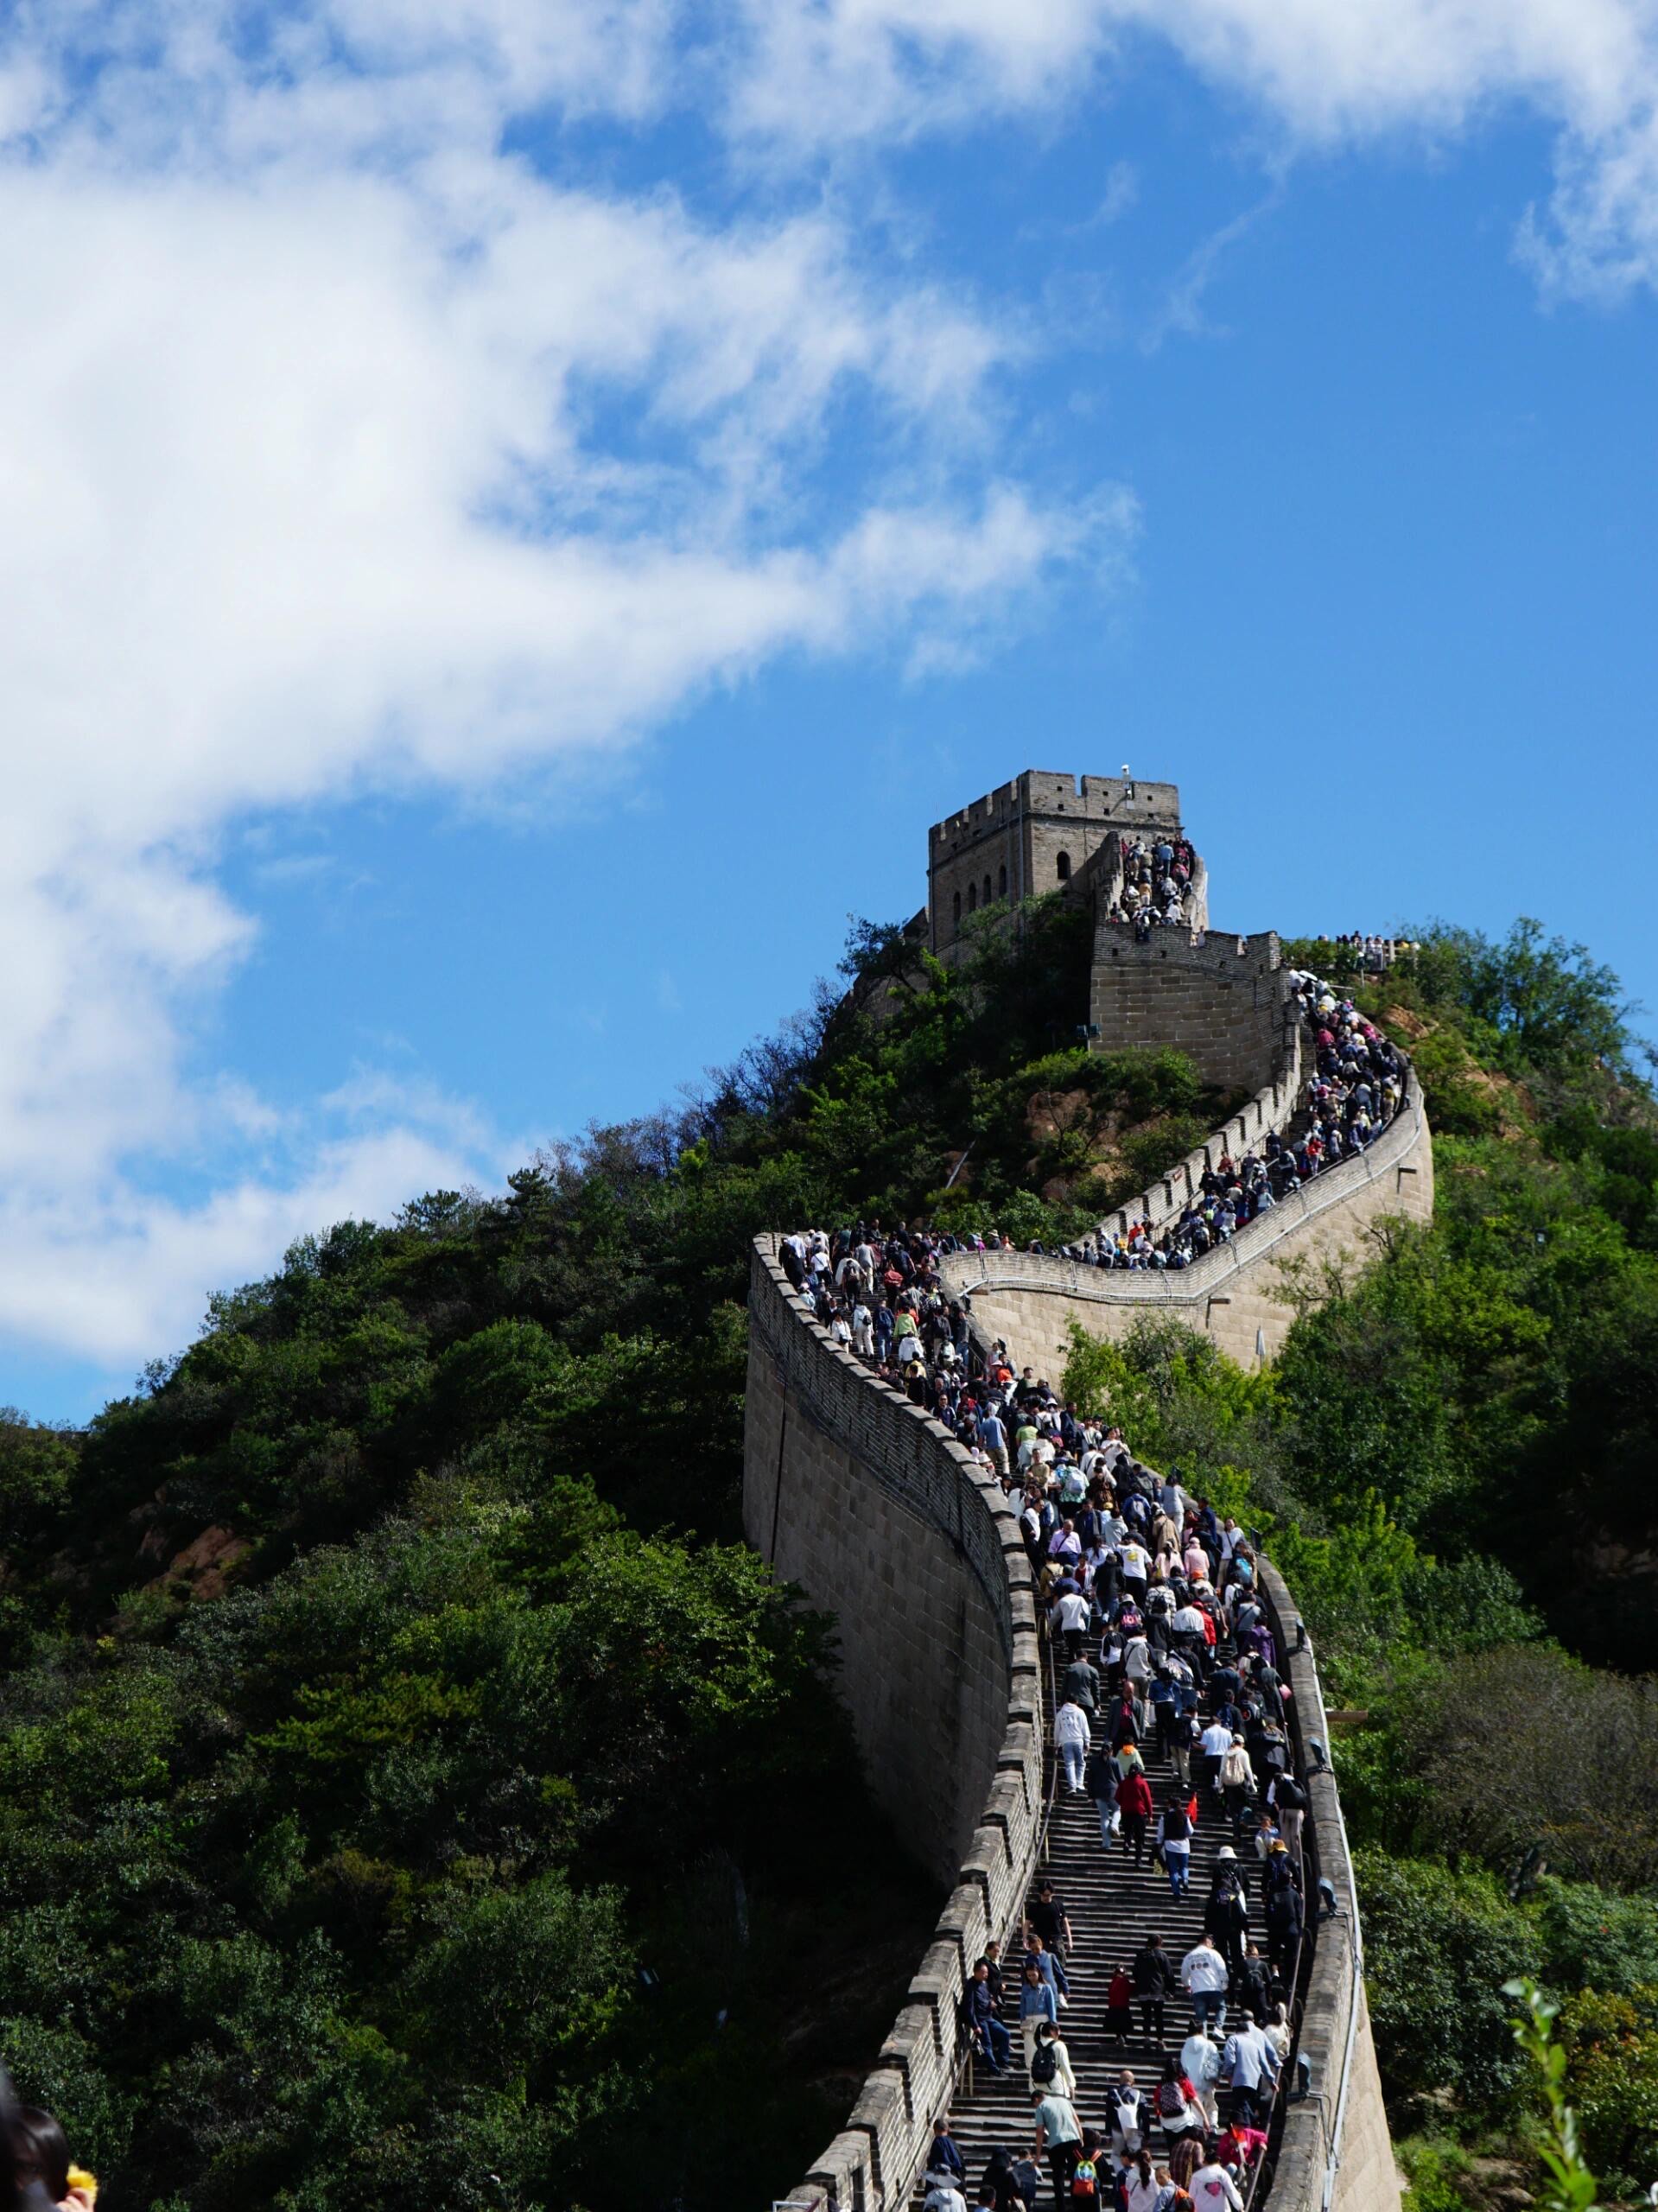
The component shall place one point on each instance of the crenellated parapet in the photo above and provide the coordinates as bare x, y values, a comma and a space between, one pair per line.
1039, 833
880, 1516
884, 1519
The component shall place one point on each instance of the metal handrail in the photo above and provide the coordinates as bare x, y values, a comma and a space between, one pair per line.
1259, 2178
1050, 1790
1354, 1995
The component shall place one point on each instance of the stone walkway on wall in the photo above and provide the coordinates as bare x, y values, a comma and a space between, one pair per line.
1113, 1908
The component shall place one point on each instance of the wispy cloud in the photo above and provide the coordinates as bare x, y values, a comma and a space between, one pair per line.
1180, 311
1122, 192
345, 451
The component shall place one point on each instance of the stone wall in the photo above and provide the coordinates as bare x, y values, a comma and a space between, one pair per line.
1336, 2147
828, 1448
1222, 1000
843, 1476
1274, 1106
883, 1520
1237, 1294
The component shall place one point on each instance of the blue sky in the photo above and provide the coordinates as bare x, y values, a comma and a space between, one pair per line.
520, 519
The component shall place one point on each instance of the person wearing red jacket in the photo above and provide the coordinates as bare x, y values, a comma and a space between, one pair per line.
1118, 1997
1135, 1803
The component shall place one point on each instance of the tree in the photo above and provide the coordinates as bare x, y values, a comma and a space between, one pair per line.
1438, 1945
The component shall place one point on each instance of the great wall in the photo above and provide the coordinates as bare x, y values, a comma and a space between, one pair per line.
877, 1514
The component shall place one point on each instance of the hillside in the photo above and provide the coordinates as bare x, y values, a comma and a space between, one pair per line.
358, 1667
1454, 1464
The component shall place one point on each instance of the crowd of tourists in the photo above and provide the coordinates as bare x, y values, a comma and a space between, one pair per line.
1353, 1091
1156, 885
1161, 1643
1374, 955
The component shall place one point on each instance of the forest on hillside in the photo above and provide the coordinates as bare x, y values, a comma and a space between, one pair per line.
398, 1735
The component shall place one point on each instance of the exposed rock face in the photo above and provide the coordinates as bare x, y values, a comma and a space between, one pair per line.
204, 1566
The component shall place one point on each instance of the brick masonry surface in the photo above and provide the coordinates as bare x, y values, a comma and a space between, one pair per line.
1235, 1294
1366, 2178
1009, 844
1222, 1000
882, 1517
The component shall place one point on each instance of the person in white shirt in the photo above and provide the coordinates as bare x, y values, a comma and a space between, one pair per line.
1215, 1743
1071, 1738
1212, 2189
1204, 1975
1070, 1618
1143, 2186
1237, 1780
1062, 2079
1200, 2062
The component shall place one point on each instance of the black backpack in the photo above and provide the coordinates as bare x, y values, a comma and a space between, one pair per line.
1043, 2064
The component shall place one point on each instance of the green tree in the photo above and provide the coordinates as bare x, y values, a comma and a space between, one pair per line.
1438, 1945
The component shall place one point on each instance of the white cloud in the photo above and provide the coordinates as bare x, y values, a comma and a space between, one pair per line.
340, 449
300, 494
1182, 308
822, 73
119, 1276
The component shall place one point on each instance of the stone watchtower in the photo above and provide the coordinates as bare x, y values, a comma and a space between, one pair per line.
1220, 999
1037, 834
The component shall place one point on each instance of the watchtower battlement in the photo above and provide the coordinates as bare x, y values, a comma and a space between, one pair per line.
1222, 1000
1160, 974
1036, 833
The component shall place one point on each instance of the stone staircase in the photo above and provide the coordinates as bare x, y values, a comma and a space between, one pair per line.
1113, 1907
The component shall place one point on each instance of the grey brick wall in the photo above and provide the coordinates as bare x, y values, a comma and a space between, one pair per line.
880, 1516
1235, 1294
882, 1519
1227, 1009
1365, 2178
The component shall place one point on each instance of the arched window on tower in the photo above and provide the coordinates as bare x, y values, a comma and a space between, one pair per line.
986, 890
1001, 884
972, 898
958, 910
1062, 862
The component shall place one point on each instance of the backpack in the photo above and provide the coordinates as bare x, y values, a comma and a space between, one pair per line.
1043, 2064
1082, 2181
1170, 2100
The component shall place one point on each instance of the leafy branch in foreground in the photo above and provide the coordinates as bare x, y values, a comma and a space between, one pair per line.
1571, 2186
